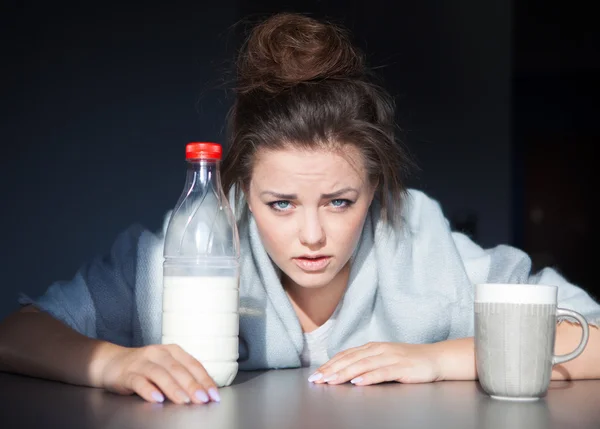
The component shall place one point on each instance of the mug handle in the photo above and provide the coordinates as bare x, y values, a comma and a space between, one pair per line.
561, 312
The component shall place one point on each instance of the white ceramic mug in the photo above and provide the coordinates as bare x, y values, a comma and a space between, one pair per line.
515, 329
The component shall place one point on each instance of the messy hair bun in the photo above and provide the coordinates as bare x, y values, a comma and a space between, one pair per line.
288, 49
301, 83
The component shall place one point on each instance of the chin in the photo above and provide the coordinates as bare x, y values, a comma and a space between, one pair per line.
311, 280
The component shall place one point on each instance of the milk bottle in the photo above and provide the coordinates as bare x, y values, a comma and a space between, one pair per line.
201, 269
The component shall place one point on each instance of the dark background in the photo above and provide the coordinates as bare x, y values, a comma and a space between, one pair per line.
98, 100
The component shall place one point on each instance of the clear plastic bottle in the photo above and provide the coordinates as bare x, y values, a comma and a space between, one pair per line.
201, 268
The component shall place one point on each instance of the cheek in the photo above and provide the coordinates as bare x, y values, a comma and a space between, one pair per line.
274, 234
270, 236
347, 231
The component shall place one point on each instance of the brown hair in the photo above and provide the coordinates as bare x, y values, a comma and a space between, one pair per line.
301, 82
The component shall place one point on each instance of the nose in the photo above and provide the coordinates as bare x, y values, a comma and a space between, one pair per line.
311, 231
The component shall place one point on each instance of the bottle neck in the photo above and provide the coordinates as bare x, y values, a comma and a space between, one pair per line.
201, 173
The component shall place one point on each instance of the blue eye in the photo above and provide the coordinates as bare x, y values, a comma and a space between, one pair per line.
340, 203
280, 205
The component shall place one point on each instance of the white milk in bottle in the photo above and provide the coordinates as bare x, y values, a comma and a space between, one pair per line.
201, 269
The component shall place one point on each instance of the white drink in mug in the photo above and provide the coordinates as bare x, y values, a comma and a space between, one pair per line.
200, 314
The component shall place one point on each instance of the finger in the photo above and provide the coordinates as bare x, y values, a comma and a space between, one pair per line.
325, 368
365, 365
193, 390
394, 372
208, 389
178, 365
343, 354
166, 382
329, 372
148, 391
339, 356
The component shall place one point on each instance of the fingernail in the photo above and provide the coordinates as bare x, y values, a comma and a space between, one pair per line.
356, 380
202, 396
158, 397
212, 392
316, 376
330, 378
181, 395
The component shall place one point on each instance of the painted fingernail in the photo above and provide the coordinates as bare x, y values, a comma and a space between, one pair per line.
330, 378
182, 396
316, 376
356, 380
158, 397
202, 396
214, 395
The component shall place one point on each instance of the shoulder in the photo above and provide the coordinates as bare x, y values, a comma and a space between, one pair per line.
420, 212
136, 231
162, 231
139, 239
421, 221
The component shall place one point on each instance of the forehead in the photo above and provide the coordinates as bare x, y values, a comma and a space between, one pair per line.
288, 164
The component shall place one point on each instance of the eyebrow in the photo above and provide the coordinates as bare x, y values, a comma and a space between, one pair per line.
323, 196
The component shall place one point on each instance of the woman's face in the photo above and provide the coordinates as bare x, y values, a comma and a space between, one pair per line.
310, 207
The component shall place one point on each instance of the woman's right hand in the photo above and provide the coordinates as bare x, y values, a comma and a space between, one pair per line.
158, 371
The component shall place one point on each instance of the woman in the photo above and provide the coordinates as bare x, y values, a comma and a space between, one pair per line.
342, 267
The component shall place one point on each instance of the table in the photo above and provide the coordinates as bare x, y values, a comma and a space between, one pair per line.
282, 399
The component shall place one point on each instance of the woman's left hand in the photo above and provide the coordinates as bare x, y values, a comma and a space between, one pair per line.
380, 362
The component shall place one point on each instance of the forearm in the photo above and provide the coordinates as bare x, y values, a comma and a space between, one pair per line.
457, 357
36, 344
587, 364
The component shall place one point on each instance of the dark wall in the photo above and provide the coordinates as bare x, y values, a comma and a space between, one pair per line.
98, 102
556, 75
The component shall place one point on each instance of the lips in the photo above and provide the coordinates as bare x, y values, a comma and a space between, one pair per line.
312, 263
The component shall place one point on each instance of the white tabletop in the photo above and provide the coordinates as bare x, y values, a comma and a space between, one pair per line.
283, 399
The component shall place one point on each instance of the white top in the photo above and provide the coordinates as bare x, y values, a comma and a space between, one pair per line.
314, 350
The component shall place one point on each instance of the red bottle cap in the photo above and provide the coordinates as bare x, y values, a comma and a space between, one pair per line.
203, 150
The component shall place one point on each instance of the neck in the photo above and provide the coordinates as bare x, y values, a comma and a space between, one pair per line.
314, 306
